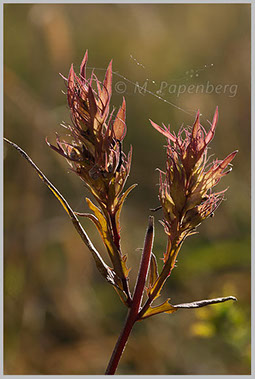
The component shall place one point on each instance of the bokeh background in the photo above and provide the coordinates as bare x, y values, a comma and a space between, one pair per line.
60, 316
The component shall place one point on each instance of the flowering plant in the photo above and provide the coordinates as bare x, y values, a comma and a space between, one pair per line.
94, 151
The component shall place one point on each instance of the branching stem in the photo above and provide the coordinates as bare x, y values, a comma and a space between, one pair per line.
136, 302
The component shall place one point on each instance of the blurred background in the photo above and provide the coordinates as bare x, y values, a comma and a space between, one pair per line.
60, 316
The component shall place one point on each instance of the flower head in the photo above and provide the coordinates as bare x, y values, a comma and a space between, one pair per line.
185, 190
95, 150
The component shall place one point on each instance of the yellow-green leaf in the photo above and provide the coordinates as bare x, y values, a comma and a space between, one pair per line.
120, 205
165, 307
153, 270
101, 223
153, 288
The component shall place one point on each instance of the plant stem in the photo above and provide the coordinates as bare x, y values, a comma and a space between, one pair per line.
136, 302
120, 345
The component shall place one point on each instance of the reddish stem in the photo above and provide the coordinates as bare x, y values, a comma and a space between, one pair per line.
144, 266
120, 345
136, 303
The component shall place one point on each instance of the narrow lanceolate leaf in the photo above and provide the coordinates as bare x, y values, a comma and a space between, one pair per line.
227, 160
83, 66
204, 303
164, 131
105, 270
119, 126
99, 220
165, 307
92, 104
196, 125
107, 85
120, 205
211, 132
118, 263
155, 290
70, 86
117, 282
153, 270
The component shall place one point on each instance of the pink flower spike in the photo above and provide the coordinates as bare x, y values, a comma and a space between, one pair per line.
165, 133
211, 132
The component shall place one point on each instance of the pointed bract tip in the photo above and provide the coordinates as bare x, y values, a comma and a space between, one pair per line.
62, 76
109, 68
196, 125
216, 115
211, 132
108, 79
197, 116
233, 154
83, 65
71, 73
165, 133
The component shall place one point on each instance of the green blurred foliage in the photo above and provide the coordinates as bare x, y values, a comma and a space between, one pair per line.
60, 316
